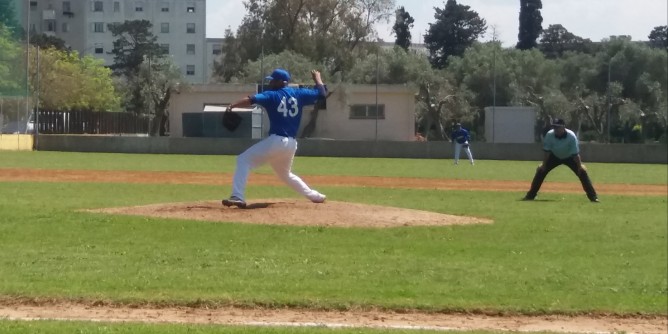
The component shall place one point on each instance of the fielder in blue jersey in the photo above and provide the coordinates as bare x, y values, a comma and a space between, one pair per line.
561, 147
460, 137
283, 105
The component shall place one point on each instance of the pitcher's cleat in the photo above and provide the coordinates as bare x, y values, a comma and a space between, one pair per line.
234, 201
318, 198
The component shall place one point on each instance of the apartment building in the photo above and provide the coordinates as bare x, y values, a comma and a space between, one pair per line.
214, 50
180, 26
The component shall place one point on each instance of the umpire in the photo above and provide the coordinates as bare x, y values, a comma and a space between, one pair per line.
561, 147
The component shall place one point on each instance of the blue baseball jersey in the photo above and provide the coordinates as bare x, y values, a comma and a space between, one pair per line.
461, 136
562, 148
284, 107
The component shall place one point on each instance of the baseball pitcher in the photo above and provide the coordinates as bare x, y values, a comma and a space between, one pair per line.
283, 105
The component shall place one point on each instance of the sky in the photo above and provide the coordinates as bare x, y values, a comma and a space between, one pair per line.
593, 19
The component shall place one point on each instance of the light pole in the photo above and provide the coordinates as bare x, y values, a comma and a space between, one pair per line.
27, 63
493, 84
262, 49
493, 93
609, 99
377, 69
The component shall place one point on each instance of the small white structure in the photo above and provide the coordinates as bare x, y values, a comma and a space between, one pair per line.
510, 124
354, 112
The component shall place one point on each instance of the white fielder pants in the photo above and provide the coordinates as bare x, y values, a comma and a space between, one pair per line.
279, 152
458, 150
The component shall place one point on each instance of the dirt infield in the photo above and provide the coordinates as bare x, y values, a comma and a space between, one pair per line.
333, 319
12, 174
332, 213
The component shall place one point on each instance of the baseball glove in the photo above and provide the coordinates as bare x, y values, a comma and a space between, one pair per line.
231, 120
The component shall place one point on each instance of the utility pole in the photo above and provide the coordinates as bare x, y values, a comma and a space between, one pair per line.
35, 126
609, 100
377, 70
493, 83
262, 49
27, 99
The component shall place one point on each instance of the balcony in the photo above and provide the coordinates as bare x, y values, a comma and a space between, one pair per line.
48, 14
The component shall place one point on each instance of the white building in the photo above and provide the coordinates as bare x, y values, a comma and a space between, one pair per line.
354, 112
180, 26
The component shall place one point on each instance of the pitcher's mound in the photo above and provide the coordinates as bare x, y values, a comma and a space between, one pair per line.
298, 212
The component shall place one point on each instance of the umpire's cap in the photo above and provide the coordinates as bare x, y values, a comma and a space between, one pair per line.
558, 122
280, 75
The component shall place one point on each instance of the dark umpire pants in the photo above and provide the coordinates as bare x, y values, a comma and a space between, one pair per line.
553, 162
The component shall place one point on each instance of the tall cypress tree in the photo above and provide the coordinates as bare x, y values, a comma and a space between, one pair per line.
455, 29
530, 24
402, 28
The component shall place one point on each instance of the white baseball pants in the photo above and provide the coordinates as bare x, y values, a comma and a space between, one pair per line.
279, 152
458, 150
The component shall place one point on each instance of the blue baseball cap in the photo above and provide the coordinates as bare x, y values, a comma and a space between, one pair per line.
279, 74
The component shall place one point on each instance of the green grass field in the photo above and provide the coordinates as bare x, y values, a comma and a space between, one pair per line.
561, 255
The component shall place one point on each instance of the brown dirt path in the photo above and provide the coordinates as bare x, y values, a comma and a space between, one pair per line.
14, 174
334, 319
266, 210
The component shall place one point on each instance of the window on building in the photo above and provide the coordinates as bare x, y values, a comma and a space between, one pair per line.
190, 8
65, 27
217, 49
164, 7
164, 48
367, 111
98, 6
190, 28
190, 69
67, 7
33, 5
51, 25
117, 6
99, 48
139, 6
98, 27
190, 49
164, 28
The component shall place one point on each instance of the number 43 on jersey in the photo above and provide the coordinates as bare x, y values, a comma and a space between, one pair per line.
289, 107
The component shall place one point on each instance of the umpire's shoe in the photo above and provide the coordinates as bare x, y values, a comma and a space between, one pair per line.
234, 201
528, 198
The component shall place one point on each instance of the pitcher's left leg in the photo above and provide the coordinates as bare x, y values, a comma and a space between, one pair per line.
281, 163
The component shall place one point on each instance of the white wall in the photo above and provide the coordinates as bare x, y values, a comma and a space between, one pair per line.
510, 124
